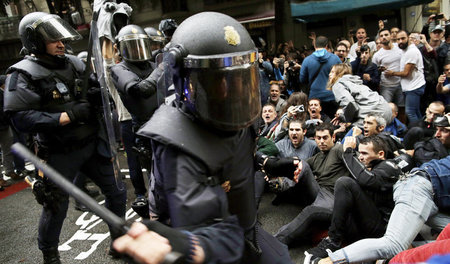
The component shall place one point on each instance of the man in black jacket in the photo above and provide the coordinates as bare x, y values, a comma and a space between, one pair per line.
363, 202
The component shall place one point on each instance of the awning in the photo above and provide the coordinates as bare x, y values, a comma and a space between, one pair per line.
319, 10
268, 15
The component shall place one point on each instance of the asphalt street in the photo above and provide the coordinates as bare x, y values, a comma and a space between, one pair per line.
85, 237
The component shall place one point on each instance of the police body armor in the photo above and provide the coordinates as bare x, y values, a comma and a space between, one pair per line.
57, 90
141, 108
226, 158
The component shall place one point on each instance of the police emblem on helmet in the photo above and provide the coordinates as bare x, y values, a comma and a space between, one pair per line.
232, 36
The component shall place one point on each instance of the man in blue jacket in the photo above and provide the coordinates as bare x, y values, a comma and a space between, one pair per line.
314, 72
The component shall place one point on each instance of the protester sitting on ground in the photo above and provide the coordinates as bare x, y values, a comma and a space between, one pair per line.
364, 201
275, 97
363, 67
295, 146
269, 117
396, 127
436, 147
421, 196
315, 117
349, 90
295, 108
314, 187
341, 128
423, 129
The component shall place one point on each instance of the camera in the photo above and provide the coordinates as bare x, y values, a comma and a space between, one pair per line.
440, 16
299, 109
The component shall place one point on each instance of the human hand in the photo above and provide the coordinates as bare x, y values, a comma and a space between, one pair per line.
325, 261
312, 36
335, 121
423, 39
431, 18
297, 171
350, 142
442, 78
388, 73
80, 111
356, 131
291, 112
380, 24
143, 245
366, 77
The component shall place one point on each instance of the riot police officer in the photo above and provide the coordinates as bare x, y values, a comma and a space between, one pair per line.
157, 41
203, 147
42, 96
168, 27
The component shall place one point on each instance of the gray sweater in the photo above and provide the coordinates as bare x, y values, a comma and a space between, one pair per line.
349, 88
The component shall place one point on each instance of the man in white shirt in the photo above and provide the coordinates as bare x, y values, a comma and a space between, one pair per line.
388, 58
361, 36
412, 78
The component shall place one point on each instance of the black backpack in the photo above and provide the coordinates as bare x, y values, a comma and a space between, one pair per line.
425, 151
430, 69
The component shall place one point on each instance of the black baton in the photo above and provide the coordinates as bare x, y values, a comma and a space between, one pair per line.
101, 211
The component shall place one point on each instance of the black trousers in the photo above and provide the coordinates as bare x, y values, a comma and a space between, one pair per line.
355, 215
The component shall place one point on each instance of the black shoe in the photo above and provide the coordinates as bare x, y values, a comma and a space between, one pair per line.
321, 250
51, 256
81, 207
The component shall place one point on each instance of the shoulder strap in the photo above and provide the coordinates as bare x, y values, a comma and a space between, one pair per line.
315, 75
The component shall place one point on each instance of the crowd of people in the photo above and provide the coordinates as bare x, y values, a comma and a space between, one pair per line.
356, 132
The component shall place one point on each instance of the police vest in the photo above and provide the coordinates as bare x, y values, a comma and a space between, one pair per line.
227, 158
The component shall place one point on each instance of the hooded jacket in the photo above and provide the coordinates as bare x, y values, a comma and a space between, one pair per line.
349, 88
311, 65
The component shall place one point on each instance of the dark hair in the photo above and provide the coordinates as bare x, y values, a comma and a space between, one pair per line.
364, 47
383, 29
315, 98
342, 44
325, 126
378, 143
297, 98
321, 42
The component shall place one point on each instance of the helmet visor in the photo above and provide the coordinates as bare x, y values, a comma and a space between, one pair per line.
53, 28
226, 97
135, 48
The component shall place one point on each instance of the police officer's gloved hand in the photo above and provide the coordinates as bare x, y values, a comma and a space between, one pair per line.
80, 111
94, 96
180, 241
144, 89
280, 167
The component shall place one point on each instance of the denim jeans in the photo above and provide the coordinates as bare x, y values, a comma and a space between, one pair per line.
414, 205
412, 104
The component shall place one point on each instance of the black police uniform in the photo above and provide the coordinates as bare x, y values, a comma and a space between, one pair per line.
37, 91
190, 165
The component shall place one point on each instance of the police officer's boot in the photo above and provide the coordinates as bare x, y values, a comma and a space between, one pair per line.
51, 256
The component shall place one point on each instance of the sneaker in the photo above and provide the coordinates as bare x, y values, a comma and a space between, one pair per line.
51, 256
80, 207
15, 176
323, 248
4, 183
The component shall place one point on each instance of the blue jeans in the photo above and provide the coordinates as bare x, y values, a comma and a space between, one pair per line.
414, 206
412, 104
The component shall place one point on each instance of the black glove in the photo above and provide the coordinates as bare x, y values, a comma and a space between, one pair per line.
179, 241
280, 167
144, 89
80, 111
94, 96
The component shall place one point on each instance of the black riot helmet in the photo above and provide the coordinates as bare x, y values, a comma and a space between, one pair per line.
134, 44
214, 64
156, 37
37, 28
168, 27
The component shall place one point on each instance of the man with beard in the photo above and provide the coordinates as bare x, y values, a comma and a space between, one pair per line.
275, 98
366, 69
315, 186
388, 58
342, 52
412, 78
296, 146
